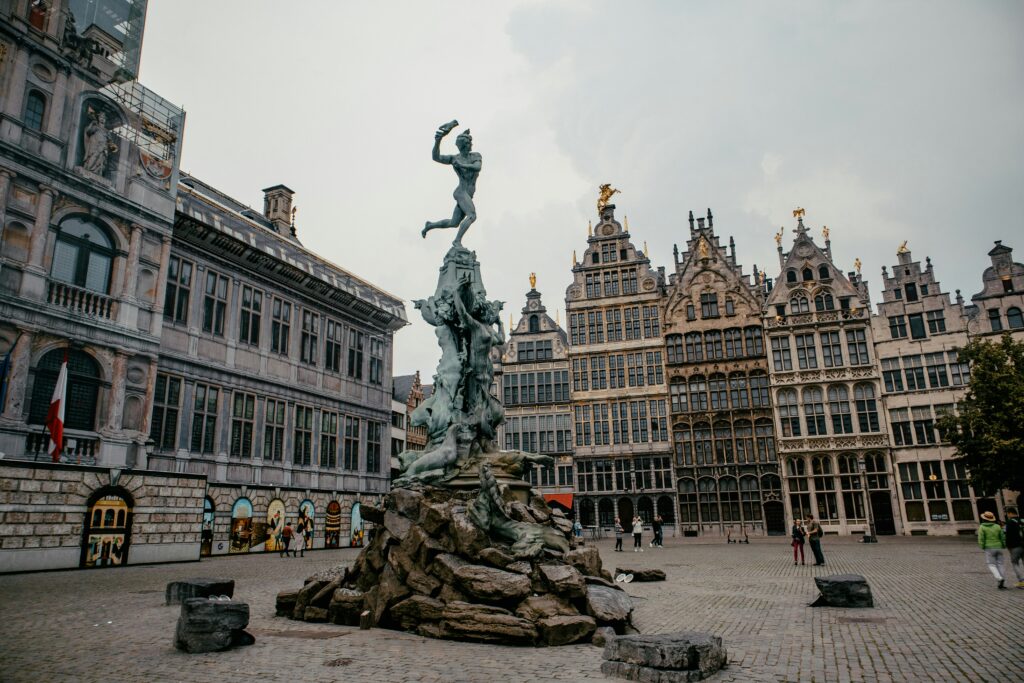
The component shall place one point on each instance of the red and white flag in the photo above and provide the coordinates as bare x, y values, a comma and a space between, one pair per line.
55, 415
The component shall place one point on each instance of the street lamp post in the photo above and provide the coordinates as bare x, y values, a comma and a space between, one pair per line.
869, 537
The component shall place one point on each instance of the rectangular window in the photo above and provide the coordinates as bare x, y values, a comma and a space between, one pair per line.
565, 475
335, 337
373, 441
303, 445
204, 419
936, 366
936, 321
805, 352
899, 418
593, 283
916, 326
924, 426
310, 340
179, 288
914, 370
329, 439
652, 325
910, 481
897, 326
629, 281
754, 340
252, 314
280, 326
632, 315
243, 421
961, 372
376, 360
350, 457
655, 370
994, 320
709, 305
273, 430
215, 303
781, 354
911, 291
355, 342
831, 349
611, 283
857, 347
609, 252
892, 375
166, 404
613, 324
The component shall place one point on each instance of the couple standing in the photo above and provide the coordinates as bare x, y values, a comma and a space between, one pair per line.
812, 532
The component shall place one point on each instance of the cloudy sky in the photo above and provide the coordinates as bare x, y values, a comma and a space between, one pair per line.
885, 120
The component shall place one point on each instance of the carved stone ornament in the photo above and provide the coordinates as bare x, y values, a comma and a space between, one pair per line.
648, 283
804, 250
608, 229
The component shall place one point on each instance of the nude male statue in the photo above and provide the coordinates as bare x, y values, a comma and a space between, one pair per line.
467, 167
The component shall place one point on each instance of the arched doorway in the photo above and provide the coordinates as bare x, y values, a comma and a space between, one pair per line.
107, 532
606, 512
275, 525
241, 526
332, 526
587, 512
626, 512
666, 509
774, 518
645, 507
356, 534
206, 536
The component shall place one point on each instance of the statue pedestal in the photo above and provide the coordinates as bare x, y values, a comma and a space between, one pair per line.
470, 481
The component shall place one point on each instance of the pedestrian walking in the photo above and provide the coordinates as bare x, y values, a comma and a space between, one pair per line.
286, 536
619, 531
1015, 544
814, 534
638, 530
798, 534
992, 540
657, 526
300, 540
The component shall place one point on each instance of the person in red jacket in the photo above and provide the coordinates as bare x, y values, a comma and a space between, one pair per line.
286, 536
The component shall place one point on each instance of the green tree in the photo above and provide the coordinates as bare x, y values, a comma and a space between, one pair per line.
988, 426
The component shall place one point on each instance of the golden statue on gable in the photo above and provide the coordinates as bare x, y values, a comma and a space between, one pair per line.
798, 212
857, 264
824, 232
902, 248
778, 237
606, 194
702, 247
533, 280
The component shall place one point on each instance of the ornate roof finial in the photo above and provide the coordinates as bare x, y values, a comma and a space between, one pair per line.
511, 325
857, 264
691, 220
902, 248
778, 238
625, 220
558, 317
533, 280
824, 232
573, 258
645, 248
711, 218
590, 229
606, 191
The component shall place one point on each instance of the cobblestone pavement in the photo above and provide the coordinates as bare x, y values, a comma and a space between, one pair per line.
938, 617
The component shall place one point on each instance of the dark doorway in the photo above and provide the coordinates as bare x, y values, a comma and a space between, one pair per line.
881, 513
988, 505
774, 518
626, 512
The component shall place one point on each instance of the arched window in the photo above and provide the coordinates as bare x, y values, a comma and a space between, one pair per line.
674, 348
587, 512
808, 274
35, 110
688, 502
677, 393
850, 483
744, 442
738, 394
534, 323
683, 445
723, 444
754, 339
605, 512
750, 496
733, 343
713, 345
1014, 318
719, 392
698, 393
790, 275
867, 407
814, 411
825, 488
694, 347
108, 524
81, 393
645, 509
799, 304
796, 467
839, 408
665, 510
83, 255
789, 412
823, 273
702, 444
823, 302
729, 493
771, 484
707, 492
759, 389
765, 435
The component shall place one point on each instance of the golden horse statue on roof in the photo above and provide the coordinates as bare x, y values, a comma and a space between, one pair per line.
606, 194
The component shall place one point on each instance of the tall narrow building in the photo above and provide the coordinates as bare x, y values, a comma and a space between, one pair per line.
724, 438
619, 397
918, 333
832, 431
1000, 302
535, 391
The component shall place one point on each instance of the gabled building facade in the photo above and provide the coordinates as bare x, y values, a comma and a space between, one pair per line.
999, 306
726, 466
534, 388
619, 396
833, 438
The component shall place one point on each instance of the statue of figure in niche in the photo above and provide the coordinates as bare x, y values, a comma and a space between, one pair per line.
467, 164
98, 144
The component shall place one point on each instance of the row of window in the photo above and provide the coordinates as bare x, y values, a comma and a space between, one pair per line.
610, 283
916, 425
530, 351
545, 475
726, 499
617, 371
1014, 318
340, 436
831, 349
539, 433
610, 253
734, 342
737, 443
823, 301
931, 365
924, 482
624, 474
827, 479
813, 401
916, 322
718, 392
535, 387
626, 323
620, 422
709, 307
340, 351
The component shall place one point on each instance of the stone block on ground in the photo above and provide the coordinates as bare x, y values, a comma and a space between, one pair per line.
537, 607
564, 629
324, 595
608, 605
587, 560
602, 635
211, 625
415, 610
302, 600
485, 623
285, 603
489, 583
315, 614
843, 590
665, 658
179, 591
564, 579
345, 607
642, 574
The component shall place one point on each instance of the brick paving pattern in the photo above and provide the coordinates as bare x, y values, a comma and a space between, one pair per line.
938, 617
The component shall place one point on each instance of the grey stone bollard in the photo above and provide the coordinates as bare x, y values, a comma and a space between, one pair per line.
179, 591
665, 658
843, 590
212, 625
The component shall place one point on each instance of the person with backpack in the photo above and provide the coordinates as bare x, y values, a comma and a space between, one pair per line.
992, 540
798, 534
1015, 544
814, 534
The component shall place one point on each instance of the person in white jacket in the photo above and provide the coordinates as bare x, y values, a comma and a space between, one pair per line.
638, 530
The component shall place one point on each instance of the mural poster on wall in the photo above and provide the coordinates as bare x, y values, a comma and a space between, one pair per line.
306, 522
206, 547
332, 525
356, 537
241, 526
106, 543
275, 524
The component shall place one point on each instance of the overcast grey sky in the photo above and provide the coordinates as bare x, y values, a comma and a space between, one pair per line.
885, 120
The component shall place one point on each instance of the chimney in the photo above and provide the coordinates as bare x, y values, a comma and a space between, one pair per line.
277, 207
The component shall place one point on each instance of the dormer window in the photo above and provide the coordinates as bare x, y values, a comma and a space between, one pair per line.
823, 273
595, 258
808, 274
534, 324
790, 276
911, 291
